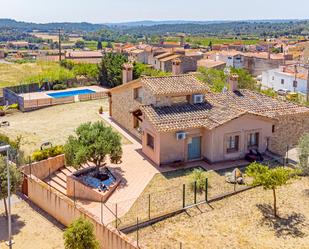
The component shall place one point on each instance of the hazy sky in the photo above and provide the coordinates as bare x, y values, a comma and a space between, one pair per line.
99, 11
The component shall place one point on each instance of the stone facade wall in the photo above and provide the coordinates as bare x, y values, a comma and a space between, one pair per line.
288, 130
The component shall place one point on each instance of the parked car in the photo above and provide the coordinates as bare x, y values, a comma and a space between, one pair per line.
283, 92
254, 156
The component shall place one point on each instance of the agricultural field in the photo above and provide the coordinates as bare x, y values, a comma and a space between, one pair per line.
14, 74
204, 41
245, 220
53, 124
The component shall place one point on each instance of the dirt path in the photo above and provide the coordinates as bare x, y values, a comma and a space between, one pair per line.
31, 228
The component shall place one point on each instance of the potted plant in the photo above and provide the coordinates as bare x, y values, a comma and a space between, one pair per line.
101, 110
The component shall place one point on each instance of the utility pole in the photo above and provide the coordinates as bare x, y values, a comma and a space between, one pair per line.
9, 242
59, 44
307, 67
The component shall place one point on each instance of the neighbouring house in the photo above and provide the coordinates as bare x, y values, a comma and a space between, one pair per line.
178, 119
292, 77
94, 57
186, 63
232, 58
258, 62
208, 63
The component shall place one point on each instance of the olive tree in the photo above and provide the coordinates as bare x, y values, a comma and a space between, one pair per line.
80, 235
270, 179
15, 180
93, 142
303, 153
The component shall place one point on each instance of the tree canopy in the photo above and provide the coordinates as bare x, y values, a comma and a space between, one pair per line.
92, 143
303, 153
216, 79
269, 179
15, 180
80, 235
110, 69
141, 69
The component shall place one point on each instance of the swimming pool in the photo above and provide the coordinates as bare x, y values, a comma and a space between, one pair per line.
70, 93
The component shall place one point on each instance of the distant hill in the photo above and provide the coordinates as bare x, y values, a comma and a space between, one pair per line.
67, 26
132, 31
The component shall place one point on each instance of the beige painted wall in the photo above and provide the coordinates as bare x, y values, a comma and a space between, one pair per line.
64, 210
43, 168
242, 127
213, 143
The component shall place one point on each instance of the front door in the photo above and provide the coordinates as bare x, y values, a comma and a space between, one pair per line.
194, 148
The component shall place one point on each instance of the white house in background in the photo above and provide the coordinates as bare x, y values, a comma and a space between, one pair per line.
293, 78
232, 58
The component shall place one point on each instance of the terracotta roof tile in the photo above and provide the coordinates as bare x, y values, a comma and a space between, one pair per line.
185, 84
256, 103
186, 116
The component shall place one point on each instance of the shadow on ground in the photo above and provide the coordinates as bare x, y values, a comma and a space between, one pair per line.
17, 225
289, 226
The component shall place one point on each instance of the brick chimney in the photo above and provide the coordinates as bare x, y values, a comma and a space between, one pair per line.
176, 67
127, 73
233, 82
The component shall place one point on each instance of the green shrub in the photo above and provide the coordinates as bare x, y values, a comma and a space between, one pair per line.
57, 87
40, 155
80, 235
13, 106
199, 176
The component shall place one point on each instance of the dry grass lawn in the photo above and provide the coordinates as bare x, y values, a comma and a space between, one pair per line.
14, 74
242, 221
52, 124
166, 194
31, 228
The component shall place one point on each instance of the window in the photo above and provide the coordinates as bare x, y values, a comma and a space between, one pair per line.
138, 94
273, 78
150, 141
232, 144
253, 139
273, 129
282, 81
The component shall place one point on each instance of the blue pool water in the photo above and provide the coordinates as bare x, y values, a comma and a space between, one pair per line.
70, 93
99, 180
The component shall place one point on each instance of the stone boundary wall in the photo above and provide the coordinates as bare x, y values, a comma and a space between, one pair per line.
92, 96
64, 211
42, 169
33, 104
25, 104
11, 97
288, 130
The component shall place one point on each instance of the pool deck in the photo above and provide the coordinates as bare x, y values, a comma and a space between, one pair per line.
44, 95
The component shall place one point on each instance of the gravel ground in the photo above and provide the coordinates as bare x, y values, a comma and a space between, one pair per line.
52, 124
31, 228
241, 221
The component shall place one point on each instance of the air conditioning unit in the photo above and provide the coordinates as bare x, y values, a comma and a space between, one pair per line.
181, 135
198, 98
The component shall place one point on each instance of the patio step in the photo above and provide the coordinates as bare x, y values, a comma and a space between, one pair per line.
57, 186
71, 169
61, 175
59, 181
65, 171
